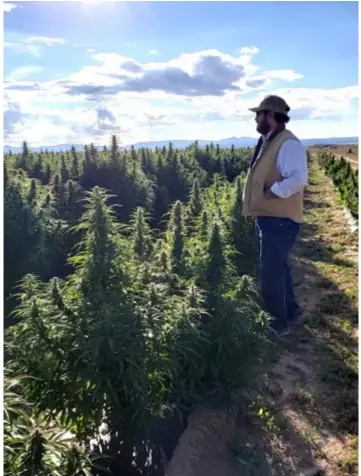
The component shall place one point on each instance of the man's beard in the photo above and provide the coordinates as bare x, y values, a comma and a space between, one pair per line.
263, 127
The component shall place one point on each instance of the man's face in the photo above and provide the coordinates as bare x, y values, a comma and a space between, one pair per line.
263, 125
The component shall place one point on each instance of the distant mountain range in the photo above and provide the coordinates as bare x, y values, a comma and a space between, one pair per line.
181, 144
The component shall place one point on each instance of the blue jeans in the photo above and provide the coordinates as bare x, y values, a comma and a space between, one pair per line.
276, 239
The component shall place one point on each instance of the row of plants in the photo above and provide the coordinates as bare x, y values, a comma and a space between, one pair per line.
149, 178
344, 179
146, 322
44, 195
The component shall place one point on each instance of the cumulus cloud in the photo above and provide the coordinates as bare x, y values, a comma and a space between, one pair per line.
153, 52
207, 73
204, 73
140, 99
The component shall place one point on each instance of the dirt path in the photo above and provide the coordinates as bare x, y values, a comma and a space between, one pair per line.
304, 413
352, 161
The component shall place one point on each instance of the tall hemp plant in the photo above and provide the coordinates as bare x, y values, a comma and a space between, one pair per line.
92, 343
137, 328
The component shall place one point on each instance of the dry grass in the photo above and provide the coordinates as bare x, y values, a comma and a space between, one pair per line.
349, 152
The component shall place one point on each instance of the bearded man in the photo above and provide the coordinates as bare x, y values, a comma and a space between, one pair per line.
273, 195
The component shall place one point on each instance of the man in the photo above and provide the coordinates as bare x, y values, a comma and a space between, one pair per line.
273, 194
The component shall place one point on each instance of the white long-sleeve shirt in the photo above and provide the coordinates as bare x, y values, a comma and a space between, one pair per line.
292, 165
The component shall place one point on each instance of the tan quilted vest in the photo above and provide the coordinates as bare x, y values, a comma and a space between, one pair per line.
263, 175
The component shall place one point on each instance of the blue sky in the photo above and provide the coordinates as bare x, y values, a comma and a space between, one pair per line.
80, 71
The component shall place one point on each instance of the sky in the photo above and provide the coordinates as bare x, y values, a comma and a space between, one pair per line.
78, 72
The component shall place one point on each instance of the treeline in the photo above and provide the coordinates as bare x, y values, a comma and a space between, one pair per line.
344, 179
123, 314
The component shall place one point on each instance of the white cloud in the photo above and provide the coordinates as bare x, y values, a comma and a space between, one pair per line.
204, 94
203, 73
23, 72
153, 52
8, 7
284, 74
248, 50
44, 40
32, 45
